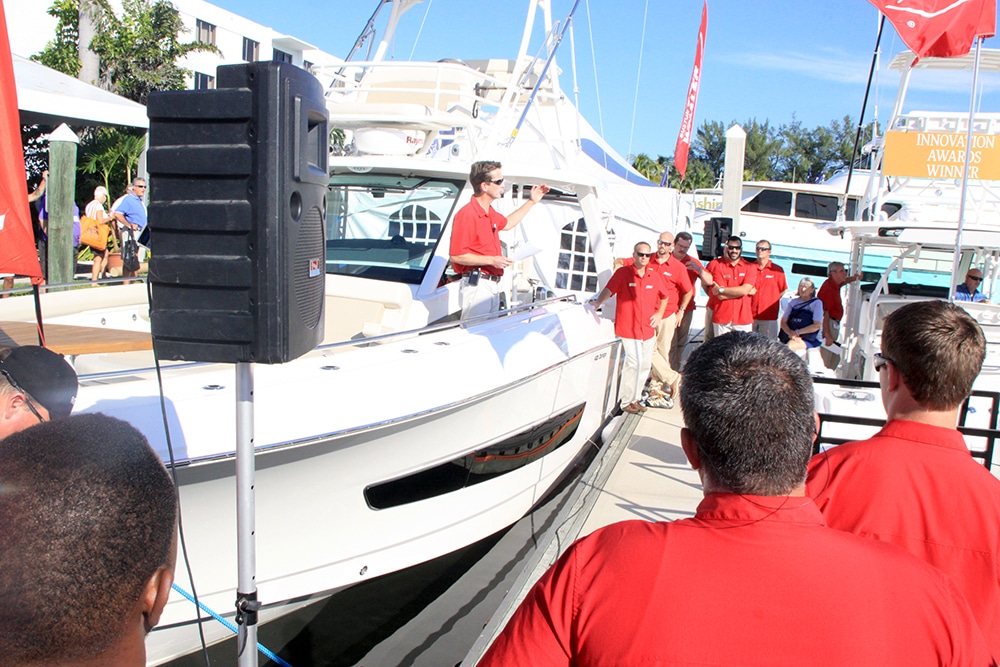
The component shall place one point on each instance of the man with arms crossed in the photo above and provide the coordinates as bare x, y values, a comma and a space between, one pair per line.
754, 578
914, 483
732, 279
475, 239
641, 302
88, 519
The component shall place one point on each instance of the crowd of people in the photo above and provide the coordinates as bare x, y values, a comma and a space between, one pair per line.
100, 228
875, 552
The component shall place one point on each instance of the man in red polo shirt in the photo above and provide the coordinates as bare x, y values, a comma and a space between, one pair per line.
754, 578
833, 309
695, 269
769, 288
475, 239
679, 294
914, 483
641, 302
733, 280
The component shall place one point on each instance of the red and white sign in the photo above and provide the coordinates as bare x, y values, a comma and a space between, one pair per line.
687, 123
17, 242
940, 28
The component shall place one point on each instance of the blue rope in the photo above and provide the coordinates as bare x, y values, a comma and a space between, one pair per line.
260, 647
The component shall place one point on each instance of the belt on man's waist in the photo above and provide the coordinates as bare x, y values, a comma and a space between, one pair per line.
484, 276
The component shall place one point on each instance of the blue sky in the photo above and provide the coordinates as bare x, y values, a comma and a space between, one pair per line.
767, 59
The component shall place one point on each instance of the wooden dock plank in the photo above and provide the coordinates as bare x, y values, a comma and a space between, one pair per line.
72, 340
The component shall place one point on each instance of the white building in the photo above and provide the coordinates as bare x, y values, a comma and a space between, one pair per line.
238, 39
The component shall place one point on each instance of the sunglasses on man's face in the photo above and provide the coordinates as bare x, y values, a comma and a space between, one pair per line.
643, 254
734, 247
978, 279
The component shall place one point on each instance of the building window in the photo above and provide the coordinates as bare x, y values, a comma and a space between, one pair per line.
577, 270
206, 31
251, 50
203, 81
306, 65
282, 57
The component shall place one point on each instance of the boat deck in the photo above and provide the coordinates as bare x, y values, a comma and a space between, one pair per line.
72, 340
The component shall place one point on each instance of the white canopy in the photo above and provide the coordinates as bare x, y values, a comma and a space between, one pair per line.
49, 97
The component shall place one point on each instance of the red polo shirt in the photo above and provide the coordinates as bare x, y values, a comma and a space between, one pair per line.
829, 294
916, 486
477, 231
694, 277
675, 279
749, 580
771, 284
638, 299
727, 274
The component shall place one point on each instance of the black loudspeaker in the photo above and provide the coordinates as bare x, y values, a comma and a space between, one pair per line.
237, 213
713, 239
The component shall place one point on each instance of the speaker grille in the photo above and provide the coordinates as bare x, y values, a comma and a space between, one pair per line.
309, 288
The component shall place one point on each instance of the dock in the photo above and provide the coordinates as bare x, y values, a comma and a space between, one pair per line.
641, 474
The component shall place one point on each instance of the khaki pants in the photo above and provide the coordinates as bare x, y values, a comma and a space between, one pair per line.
680, 340
663, 370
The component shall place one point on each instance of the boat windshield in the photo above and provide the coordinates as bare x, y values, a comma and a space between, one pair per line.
386, 226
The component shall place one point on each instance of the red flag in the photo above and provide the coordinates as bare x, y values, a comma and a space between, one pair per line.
941, 28
17, 243
687, 123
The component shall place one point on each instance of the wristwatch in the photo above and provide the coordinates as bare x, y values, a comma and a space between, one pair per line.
722, 290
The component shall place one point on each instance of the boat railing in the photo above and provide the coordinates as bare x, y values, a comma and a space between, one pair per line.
980, 440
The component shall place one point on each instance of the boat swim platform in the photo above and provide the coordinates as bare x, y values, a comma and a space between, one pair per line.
642, 474
72, 340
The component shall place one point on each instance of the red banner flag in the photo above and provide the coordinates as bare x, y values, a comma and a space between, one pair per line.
687, 122
17, 242
940, 28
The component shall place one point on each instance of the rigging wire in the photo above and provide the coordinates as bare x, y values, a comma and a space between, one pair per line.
427, 11
593, 57
638, 72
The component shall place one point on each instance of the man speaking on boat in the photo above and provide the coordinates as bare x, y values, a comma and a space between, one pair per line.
754, 577
475, 239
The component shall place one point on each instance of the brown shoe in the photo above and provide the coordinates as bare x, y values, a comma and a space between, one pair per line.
639, 404
631, 408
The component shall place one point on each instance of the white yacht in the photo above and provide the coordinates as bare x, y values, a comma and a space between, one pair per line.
407, 433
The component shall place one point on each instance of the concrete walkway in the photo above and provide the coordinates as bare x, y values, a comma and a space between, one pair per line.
652, 479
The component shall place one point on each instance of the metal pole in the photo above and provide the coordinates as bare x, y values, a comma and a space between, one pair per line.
965, 174
861, 120
246, 587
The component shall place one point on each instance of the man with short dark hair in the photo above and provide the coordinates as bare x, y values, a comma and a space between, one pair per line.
968, 290
36, 385
475, 251
639, 307
771, 285
732, 279
914, 483
754, 578
87, 543
680, 292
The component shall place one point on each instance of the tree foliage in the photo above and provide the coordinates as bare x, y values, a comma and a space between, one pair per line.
789, 153
139, 50
61, 52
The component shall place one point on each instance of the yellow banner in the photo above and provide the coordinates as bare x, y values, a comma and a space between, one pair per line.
941, 155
